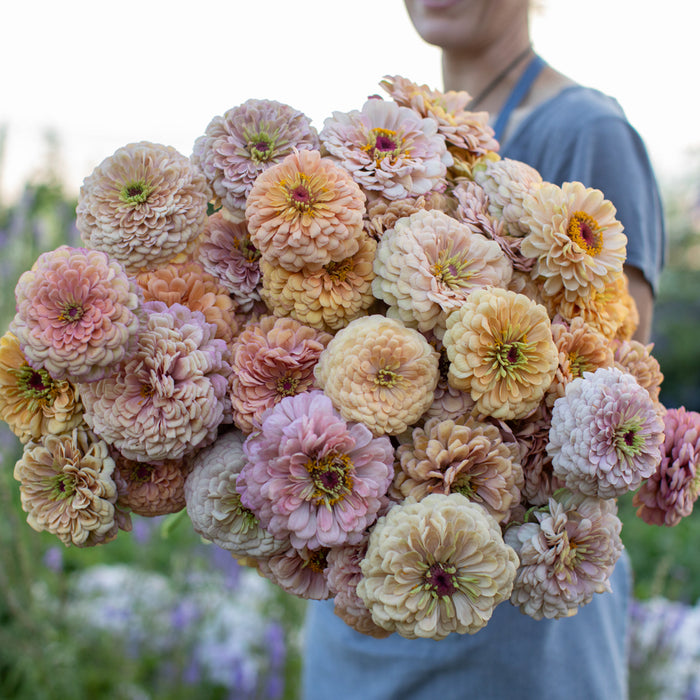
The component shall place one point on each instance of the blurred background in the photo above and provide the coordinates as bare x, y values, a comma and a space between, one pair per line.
157, 614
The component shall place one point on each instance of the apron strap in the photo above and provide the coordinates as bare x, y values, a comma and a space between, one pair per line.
518, 93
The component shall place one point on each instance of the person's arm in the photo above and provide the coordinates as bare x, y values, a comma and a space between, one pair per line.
641, 292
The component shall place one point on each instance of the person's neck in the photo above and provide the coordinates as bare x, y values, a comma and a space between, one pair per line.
475, 70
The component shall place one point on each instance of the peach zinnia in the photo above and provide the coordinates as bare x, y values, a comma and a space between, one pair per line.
305, 212
501, 350
380, 373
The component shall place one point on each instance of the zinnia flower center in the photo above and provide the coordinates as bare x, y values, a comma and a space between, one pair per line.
578, 364
300, 195
583, 230
451, 270
287, 386
628, 440
382, 143
509, 356
339, 270
387, 378
318, 560
72, 312
248, 250
261, 147
141, 473
62, 487
440, 579
35, 384
248, 520
135, 192
331, 478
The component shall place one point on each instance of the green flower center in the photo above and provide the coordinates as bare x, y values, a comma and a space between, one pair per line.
62, 487
509, 357
248, 250
578, 364
135, 192
331, 478
35, 384
247, 520
440, 581
72, 312
452, 270
262, 146
629, 441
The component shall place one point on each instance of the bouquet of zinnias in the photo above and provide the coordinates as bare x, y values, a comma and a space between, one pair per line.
378, 363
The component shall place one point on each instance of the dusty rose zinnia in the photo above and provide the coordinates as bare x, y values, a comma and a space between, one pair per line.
380, 373
66, 487
76, 313
382, 214
305, 212
188, 284
301, 572
32, 402
669, 494
435, 567
566, 555
312, 477
606, 434
328, 298
245, 141
225, 251
167, 399
463, 456
271, 359
501, 350
214, 504
144, 205
575, 237
427, 265
388, 149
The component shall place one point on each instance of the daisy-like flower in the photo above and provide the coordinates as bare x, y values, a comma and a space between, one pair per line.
566, 555
388, 149
168, 399
636, 358
380, 373
575, 237
612, 311
467, 134
144, 205
669, 494
500, 348
188, 284
214, 504
245, 141
472, 208
427, 265
271, 359
344, 573
32, 402
382, 214
305, 212
312, 477
435, 567
328, 298
226, 252
581, 349
507, 182
150, 489
606, 434
77, 313
66, 487
301, 572
463, 456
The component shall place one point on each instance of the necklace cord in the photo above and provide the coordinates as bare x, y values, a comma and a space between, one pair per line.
493, 84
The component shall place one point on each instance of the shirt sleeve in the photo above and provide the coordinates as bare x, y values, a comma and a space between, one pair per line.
609, 155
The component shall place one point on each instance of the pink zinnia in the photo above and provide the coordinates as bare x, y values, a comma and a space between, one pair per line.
670, 493
312, 476
76, 313
301, 572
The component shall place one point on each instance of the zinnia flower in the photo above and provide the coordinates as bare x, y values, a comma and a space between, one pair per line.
76, 313
144, 205
311, 476
380, 373
435, 567
214, 504
328, 298
606, 435
272, 359
388, 149
575, 237
427, 265
670, 493
501, 350
32, 402
226, 252
301, 572
636, 358
383, 214
150, 489
188, 284
167, 400
247, 140
305, 212
566, 556
463, 456
66, 487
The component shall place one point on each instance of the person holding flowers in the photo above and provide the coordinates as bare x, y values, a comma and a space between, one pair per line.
577, 144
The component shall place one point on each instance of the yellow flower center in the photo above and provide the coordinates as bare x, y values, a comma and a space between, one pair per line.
331, 478
72, 312
287, 386
578, 364
387, 378
317, 560
249, 251
452, 270
338, 271
383, 143
299, 193
584, 230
